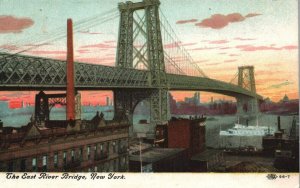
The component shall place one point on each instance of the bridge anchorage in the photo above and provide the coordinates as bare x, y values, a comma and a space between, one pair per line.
140, 72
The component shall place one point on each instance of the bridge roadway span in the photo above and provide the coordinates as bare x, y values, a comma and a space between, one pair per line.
21, 72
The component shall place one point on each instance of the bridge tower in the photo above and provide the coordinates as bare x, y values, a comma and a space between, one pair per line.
246, 80
149, 54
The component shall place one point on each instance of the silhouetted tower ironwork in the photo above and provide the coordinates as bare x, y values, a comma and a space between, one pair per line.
246, 80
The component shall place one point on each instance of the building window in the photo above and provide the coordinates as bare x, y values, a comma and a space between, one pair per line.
107, 147
115, 165
44, 163
101, 147
23, 165
123, 161
89, 152
114, 146
33, 164
80, 153
65, 157
72, 155
10, 166
95, 169
95, 151
55, 160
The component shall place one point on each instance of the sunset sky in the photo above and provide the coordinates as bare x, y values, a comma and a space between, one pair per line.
219, 35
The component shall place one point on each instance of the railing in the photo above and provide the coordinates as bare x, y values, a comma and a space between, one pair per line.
122, 150
123, 168
72, 164
102, 156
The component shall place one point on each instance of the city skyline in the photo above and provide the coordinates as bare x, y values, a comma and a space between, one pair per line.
220, 37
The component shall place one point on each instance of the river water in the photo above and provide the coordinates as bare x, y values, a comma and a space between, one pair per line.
214, 124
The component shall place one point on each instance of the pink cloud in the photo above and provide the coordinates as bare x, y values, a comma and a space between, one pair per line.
91, 33
9, 47
218, 42
176, 44
83, 51
219, 21
11, 24
60, 57
205, 48
110, 41
100, 46
36, 45
202, 61
55, 52
4, 98
210, 64
252, 15
243, 39
230, 60
233, 55
291, 47
95, 60
224, 48
250, 48
186, 21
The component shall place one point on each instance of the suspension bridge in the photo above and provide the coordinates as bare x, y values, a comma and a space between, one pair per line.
150, 62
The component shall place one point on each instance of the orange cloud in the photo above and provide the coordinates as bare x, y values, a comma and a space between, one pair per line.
11, 24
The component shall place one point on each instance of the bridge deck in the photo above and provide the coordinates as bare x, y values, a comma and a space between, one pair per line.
20, 72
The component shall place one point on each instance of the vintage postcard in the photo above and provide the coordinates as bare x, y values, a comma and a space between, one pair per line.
117, 92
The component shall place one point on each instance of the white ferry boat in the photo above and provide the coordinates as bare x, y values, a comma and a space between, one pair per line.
243, 130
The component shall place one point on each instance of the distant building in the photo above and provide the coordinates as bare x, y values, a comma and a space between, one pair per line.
107, 101
195, 100
15, 104
285, 99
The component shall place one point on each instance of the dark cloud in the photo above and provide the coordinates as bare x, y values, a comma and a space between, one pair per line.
281, 84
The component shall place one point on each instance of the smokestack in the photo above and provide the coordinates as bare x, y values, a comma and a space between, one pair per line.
70, 111
278, 123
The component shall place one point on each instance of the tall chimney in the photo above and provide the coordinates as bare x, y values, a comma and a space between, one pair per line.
70, 73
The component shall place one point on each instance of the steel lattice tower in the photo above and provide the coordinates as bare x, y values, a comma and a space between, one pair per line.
152, 57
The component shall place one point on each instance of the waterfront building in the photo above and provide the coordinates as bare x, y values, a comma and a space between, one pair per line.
93, 145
